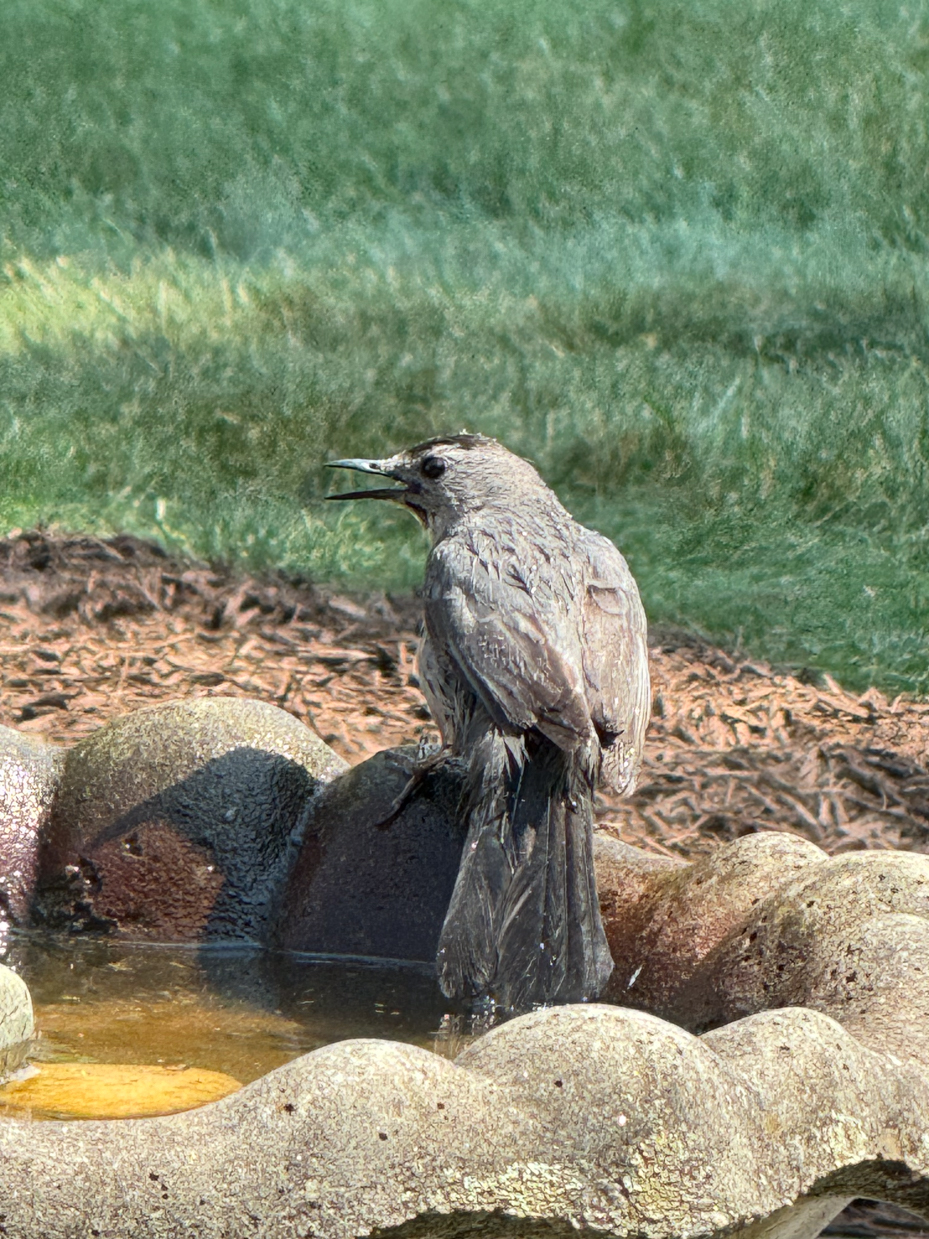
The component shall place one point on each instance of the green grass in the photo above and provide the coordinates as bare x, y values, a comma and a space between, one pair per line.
676, 253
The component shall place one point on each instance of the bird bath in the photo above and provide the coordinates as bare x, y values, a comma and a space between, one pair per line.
768, 1059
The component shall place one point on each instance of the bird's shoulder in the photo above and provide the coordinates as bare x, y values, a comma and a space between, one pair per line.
490, 601
505, 557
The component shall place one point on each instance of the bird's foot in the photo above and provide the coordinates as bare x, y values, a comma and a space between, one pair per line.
421, 770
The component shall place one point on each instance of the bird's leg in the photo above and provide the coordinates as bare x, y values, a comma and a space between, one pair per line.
421, 769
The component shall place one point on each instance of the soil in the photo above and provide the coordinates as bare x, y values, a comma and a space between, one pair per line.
93, 629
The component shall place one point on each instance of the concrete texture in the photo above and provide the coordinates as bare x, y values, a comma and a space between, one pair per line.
664, 917
29, 773
588, 1116
17, 1026
181, 821
401, 873
849, 938
772, 921
805, 974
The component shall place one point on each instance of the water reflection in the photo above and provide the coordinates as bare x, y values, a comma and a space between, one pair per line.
238, 1011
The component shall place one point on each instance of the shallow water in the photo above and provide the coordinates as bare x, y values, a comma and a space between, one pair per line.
241, 1012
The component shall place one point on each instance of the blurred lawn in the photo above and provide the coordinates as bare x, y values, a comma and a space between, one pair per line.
677, 253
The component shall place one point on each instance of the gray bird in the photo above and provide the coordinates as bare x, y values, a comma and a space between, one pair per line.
534, 665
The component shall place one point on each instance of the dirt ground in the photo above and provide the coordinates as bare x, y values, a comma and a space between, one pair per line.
93, 629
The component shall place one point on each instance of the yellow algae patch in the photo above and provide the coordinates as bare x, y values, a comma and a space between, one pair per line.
242, 1041
112, 1090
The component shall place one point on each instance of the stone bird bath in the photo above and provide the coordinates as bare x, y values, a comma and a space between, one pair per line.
766, 1061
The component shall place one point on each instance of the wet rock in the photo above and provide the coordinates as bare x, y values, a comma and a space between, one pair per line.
181, 821
361, 886
16, 1021
588, 1116
575, 1117
662, 915
29, 773
772, 921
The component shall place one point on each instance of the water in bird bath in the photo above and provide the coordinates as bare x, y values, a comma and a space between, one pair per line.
194, 1023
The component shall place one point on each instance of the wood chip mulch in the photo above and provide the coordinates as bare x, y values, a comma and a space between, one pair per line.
92, 629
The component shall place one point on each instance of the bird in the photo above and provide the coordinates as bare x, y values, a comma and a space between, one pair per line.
534, 665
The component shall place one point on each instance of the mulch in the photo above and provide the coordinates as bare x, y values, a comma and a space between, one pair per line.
95, 628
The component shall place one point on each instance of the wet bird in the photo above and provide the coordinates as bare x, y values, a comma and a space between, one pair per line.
534, 665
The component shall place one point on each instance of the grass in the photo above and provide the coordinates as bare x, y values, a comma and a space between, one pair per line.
676, 253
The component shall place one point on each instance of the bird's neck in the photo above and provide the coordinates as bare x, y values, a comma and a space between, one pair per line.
543, 517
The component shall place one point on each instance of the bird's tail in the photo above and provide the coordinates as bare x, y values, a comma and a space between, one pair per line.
523, 926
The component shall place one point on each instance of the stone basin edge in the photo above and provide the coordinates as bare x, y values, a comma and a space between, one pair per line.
598, 1117
766, 1062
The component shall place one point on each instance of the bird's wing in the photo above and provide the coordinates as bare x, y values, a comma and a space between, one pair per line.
433, 681
507, 641
615, 658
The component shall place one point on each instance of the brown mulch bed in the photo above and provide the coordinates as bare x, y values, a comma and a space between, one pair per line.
93, 629
736, 747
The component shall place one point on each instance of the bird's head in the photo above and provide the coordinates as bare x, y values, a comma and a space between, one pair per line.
444, 479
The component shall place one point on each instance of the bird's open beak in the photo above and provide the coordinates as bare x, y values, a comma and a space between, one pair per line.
379, 467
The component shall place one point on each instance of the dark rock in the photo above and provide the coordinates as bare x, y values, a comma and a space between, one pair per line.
181, 822
363, 888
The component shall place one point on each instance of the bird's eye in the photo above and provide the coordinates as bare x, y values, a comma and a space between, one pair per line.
433, 467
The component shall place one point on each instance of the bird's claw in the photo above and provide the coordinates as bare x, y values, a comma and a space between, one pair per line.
421, 770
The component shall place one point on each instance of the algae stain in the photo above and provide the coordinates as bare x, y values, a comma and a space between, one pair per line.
202, 1022
110, 1090
235, 1040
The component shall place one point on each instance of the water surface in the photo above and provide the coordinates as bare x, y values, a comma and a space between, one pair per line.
241, 1012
